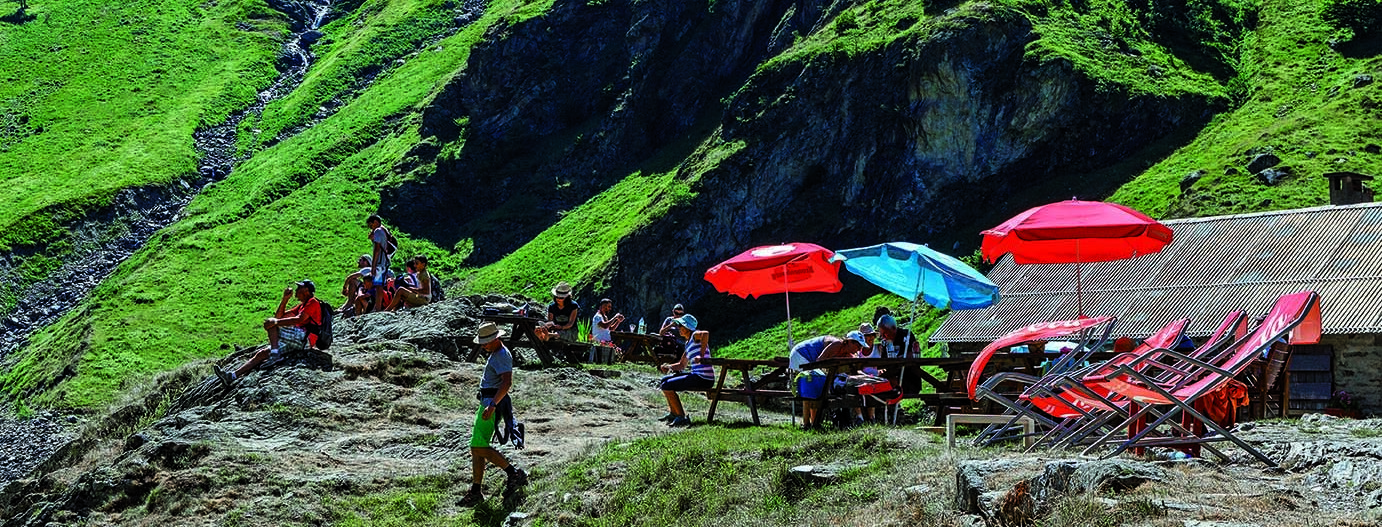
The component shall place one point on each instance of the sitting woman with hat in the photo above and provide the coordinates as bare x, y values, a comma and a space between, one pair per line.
562, 314
693, 373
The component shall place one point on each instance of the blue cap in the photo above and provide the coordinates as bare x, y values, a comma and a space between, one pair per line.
887, 321
686, 321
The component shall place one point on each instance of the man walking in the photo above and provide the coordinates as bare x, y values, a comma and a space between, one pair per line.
494, 400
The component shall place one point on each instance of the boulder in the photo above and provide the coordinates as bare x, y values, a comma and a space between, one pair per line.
1272, 176
1190, 179
1117, 475
1262, 162
1360, 81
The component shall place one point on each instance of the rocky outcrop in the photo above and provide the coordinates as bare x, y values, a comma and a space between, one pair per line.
907, 141
562, 106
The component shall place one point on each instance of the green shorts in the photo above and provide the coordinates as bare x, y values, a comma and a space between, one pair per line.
483, 429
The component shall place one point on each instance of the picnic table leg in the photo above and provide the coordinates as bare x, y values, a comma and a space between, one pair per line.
753, 401
715, 395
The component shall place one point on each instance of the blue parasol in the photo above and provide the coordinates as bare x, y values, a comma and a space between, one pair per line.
916, 272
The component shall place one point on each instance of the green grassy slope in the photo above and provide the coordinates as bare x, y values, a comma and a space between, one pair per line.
294, 210
1301, 102
100, 96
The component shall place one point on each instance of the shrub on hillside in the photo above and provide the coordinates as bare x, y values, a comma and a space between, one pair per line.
1362, 16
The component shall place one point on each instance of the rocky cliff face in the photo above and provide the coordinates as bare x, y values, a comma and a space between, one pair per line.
904, 142
907, 139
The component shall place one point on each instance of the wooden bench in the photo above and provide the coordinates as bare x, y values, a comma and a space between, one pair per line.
749, 393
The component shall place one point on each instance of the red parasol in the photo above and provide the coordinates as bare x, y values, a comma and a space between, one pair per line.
772, 269
1075, 232
1038, 331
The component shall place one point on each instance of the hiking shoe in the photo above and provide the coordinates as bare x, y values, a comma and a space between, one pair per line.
858, 421
518, 479
668, 418
679, 421
471, 499
222, 375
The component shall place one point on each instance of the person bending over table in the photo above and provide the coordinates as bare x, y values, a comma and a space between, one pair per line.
818, 349
693, 373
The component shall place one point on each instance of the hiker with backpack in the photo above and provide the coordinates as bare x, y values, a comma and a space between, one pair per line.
308, 324
495, 384
382, 245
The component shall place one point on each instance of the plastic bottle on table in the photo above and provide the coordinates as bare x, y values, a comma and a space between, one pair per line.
642, 328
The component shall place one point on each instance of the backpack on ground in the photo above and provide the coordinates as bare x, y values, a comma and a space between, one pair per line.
323, 330
438, 294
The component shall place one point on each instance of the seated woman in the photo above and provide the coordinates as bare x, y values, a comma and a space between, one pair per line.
692, 374
562, 314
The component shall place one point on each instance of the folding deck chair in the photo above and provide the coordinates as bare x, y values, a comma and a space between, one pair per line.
1088, 406
1090, 340
1295, 316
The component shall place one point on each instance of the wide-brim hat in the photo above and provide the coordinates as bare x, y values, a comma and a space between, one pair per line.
487, 333
867, 329
562, 290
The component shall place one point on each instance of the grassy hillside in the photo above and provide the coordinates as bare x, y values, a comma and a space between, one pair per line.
1307, 97
294, 210
99, 96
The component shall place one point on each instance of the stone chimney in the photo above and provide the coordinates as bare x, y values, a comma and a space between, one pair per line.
1346, 188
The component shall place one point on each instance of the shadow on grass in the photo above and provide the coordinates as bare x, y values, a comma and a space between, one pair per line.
19, 16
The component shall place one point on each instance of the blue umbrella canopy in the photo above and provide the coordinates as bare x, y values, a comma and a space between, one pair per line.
916, 272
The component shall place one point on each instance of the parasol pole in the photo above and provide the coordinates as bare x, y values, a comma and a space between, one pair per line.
1079, 298
790, 343
907, 342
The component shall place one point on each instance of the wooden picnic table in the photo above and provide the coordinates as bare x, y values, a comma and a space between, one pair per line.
523, 333
641, 347
944, 396
750, 391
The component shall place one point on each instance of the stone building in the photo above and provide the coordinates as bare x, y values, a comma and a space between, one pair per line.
1215, 265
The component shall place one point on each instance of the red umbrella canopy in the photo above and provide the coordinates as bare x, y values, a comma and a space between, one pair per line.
793, 267
1075, 232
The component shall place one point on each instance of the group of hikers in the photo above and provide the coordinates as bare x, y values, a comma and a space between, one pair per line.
375, 287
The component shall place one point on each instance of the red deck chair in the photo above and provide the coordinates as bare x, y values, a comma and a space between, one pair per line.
1057, 399
1097, 406
1296, 316
1092, 333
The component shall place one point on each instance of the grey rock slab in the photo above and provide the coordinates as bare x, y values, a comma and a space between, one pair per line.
1262, 162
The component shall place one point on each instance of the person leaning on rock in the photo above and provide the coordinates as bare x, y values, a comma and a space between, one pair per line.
291, 330
494, 394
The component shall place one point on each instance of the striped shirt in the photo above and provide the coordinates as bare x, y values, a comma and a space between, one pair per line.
694, 351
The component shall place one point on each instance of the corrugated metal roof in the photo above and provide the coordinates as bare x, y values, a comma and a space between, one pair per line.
1215, 265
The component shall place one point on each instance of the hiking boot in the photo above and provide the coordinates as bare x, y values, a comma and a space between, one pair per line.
679, 421
471, 499
222, 375
858, 422
519, 478
668, 418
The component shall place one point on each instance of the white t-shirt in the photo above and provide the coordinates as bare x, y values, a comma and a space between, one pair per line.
601, 334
